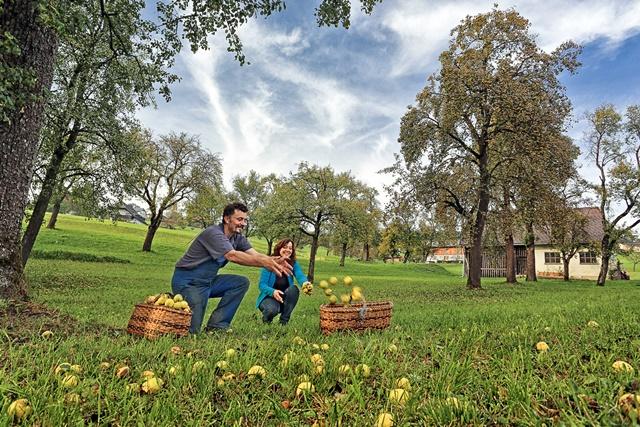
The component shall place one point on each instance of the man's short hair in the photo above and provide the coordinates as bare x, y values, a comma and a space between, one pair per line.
232, 207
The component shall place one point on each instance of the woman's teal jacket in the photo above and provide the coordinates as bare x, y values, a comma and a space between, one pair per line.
268, 279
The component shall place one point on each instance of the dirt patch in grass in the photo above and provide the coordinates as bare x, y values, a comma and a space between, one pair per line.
23, 321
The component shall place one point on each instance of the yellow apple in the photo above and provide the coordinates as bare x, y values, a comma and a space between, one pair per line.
356, 293
223, 365
62, 368
47, 335
174, 370
317, 359
345, 299
363, 370
152, 385
385, 419
328, 291
299, 341
176, 349
230, 353
256, 372
76, 368
105, 365
347, 280
19, 409
304, 387
169, 303
69, 381
333, 280
318, 369
392, 348
324, 284
398, 396
622, 366
324, 347
148, 374
592, 324
403, 383
333, 299
178, 298
542, 346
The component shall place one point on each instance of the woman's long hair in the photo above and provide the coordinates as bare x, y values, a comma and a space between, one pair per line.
281, 244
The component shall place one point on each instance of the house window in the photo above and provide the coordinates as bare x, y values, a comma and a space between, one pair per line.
552, 257
588, 258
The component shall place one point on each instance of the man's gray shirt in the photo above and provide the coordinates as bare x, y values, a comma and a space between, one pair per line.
212, 244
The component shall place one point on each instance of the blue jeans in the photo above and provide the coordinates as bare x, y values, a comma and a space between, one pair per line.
270, 308
203, 282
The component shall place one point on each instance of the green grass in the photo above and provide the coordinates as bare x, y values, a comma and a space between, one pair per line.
478, 347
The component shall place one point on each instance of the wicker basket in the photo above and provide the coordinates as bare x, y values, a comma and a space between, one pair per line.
152, 321
355, 317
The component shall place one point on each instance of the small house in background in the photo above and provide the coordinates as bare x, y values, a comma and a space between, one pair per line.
585, 264
630, 245
446, 253
131, 212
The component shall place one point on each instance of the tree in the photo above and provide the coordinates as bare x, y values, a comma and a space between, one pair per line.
171, 169
205, 206
494, 81
92, 99
312, 198
251, 190
614, 147
31, 30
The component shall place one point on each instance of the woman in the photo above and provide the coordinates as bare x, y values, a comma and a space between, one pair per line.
278, 295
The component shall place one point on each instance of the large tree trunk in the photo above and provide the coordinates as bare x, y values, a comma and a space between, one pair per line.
475, 255
48, 186
151, 231
367, 255
54, 212
405, 257
565, 268
606, 256
343, 254
19, 135
269, 246
530, 242
510, 254
312, 255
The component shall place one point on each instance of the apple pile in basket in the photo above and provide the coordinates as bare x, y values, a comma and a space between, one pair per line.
176, 301
353, 294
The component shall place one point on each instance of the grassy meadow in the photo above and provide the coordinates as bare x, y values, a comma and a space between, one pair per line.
470, 357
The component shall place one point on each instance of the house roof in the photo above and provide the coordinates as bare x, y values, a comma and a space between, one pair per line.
593, 228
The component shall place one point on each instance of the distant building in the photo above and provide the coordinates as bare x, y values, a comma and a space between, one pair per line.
131, 212
446, 254
585, 264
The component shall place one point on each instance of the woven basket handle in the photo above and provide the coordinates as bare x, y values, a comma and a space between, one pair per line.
363, 311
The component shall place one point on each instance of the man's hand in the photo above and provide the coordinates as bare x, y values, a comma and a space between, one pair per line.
278, 296
279, 265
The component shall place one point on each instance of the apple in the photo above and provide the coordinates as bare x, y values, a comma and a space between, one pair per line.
345, 299
333, 280
592, 324
230, 353
344, 370
178, 298
76, 368
363, 370
176, 349
105, 365
333, 299
392, 348
19, 409
318, 369
223, 365
69, 381
47, 334
620, 366
62, 368
324, 347
152, 385
347, 280
256, 372
356, 293
385, 419
174, 370
328, 292
542, 346
398, 396
324, 284
403, 383
148, 374
304, 387
317, 359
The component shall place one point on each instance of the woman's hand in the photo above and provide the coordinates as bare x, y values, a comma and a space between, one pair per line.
278, 296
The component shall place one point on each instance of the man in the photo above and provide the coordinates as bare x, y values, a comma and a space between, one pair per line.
196, 274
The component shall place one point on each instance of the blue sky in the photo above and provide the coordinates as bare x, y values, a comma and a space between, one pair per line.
335, 96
